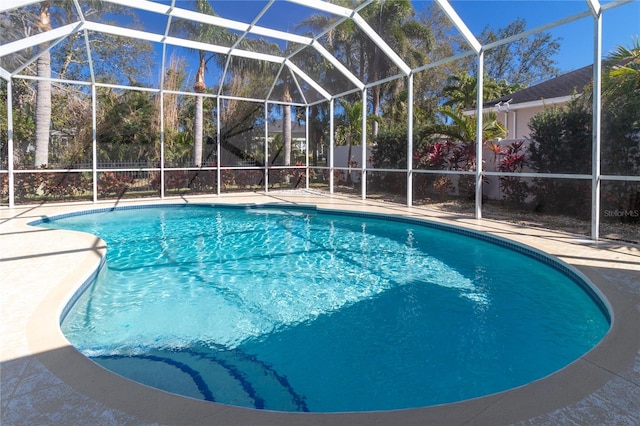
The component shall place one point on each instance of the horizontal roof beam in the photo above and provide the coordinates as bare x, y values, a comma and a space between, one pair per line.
338, 65
324, 6
308, 79
373, 35
39, 38
175, 41
14, 4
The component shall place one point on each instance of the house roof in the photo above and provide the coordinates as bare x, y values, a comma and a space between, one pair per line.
562, 86
297, 129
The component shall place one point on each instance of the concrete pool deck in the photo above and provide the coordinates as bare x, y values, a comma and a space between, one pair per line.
46, 381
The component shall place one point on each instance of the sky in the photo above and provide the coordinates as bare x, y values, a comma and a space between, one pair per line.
619, 24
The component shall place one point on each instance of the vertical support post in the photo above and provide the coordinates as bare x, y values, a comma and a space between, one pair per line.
218, 171
11, 182
410, 140
331, 142
479, 105
266, 147
363, 166
162, 140
94, 141
597, 113
306, 149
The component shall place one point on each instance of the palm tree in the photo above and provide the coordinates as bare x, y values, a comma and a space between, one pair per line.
205, 33
43, 98
351, 130
406, 36
621, 115
286, 124
462, 88
623, 77
394, 21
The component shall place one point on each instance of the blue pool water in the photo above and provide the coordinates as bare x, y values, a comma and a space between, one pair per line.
302, 310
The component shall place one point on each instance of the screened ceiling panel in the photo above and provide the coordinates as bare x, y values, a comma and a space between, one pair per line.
23, 61
326, 47
296, 19
189, 59
238, 12
511, 10
198, 31
141, 72
319, 68
273, 46
288, 83
125, 16
249, 78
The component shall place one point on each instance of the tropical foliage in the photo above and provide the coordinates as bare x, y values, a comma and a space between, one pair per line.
53, 120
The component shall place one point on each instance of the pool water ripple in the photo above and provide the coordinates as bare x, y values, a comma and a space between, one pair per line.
344, 313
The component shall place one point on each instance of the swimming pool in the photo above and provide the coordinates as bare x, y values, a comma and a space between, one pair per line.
406, 314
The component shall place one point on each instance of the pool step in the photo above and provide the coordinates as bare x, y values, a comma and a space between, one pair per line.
231, 376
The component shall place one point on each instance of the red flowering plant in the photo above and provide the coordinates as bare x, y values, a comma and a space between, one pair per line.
513, 159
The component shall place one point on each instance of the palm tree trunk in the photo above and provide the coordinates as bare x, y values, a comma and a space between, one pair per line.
286, 126
43, 110
43, 98
198, 120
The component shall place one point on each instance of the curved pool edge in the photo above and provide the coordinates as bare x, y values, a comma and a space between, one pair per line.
579, 391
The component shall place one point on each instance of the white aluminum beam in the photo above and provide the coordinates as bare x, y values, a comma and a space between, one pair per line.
410, 140
595, 7
479, 138
235, 25
5, 74
149, 6
338, 65
370, 32
10, 160
123, 32
460, 25
325, 7
40, 38
597, 121
295, 80
363, 142
15, 4
175, 41
293, 67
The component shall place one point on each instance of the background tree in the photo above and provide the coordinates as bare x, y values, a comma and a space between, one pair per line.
523, 62
395, 22
621, 110
67, 60
462, 88
561, 143
621, 128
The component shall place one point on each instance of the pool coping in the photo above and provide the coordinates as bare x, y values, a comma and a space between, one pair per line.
43, 377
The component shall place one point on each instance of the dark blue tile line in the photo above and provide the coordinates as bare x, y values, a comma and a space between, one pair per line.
299, 401
195, 376
49, 219
258, 401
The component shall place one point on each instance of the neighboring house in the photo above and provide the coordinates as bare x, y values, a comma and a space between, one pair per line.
298, 133
516, 109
